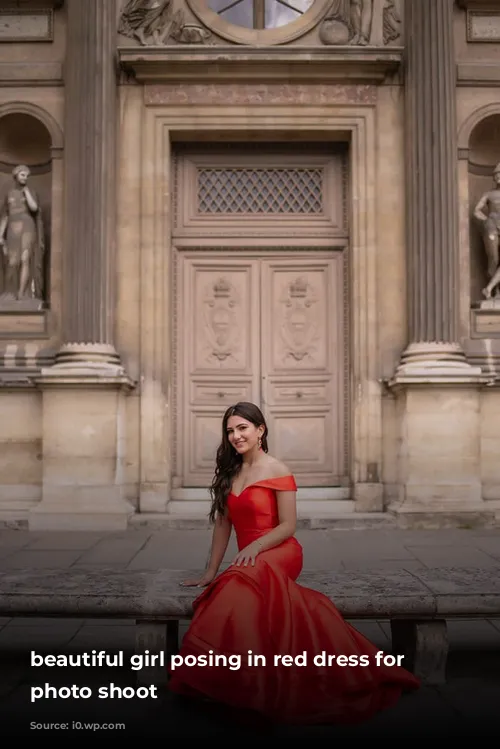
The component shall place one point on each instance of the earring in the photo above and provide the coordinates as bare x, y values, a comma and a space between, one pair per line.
260, 443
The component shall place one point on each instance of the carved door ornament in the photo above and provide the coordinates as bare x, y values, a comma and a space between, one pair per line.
299, 330
221, 322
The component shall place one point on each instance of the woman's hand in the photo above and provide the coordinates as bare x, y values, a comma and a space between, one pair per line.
202, 582
248, 554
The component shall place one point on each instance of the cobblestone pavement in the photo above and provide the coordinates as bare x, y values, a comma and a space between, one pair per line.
466, 706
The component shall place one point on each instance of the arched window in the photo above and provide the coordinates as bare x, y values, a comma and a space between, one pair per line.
260, 22
260, 14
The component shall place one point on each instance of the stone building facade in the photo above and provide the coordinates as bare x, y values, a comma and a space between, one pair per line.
291, 203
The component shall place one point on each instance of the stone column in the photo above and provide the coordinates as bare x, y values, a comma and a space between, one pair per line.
439, 455
84, 412
90, 184
432, 191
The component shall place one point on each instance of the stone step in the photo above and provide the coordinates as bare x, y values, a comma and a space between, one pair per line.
304, 507
309, 521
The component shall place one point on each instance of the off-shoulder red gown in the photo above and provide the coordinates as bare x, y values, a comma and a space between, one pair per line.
262, 609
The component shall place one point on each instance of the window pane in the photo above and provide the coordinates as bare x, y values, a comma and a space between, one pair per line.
241, 13
278, 14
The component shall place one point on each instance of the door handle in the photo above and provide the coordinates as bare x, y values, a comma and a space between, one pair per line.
263, 394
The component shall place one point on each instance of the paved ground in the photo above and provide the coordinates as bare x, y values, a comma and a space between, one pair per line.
468, 705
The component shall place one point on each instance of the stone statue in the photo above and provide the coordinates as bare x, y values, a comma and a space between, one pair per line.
146, 19
153, 22
490, 229
348, 22
391, 22
22, 242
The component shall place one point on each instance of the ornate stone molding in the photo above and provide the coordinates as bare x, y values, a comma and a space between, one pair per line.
176, 64
91, 365
266, 94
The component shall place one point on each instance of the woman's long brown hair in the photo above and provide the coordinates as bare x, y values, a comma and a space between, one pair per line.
228, 461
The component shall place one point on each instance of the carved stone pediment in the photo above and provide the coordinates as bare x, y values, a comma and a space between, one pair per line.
327, 40
308, 23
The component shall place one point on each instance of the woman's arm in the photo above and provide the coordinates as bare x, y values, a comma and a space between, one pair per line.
220, 540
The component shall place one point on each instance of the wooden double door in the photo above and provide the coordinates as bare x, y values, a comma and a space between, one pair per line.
265, 326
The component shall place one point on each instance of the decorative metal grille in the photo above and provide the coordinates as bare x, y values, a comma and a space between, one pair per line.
264, 191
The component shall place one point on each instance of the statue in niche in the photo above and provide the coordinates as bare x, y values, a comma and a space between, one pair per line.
22, 243
153, 22
490, 230
348, 22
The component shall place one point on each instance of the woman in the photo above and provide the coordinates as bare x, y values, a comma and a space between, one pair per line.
255, 605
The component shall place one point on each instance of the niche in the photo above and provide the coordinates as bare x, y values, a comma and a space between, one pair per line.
484, 155
24, 284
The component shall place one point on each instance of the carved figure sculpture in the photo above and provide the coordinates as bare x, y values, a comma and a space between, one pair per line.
146, 19
154, 22
391, 22
490, 229
21, 241
355, 16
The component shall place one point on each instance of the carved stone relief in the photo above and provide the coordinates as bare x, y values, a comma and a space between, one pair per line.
22, 245
155, 23
221, 330
353, 21
342, 22
299, 330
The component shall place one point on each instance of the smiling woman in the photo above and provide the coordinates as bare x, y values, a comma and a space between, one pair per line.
256, 608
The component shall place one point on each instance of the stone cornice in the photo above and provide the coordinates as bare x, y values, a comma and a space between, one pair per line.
12, 5
200, 64
478, 4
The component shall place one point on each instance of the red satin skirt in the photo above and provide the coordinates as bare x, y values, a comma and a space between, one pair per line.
261, 610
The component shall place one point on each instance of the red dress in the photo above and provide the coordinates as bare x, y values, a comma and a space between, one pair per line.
262, 609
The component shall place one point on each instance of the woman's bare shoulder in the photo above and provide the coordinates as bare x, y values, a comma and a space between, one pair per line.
277, 468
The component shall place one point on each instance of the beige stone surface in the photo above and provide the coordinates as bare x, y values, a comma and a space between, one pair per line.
434, 446
440, 447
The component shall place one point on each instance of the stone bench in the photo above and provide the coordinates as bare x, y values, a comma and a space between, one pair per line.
417, 604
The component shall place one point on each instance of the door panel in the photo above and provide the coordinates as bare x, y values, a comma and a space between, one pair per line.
219, 335
269, 330
302, 345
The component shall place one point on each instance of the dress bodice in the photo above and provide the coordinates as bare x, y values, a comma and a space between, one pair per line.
254, 511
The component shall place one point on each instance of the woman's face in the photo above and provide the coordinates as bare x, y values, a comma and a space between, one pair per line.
242, 434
